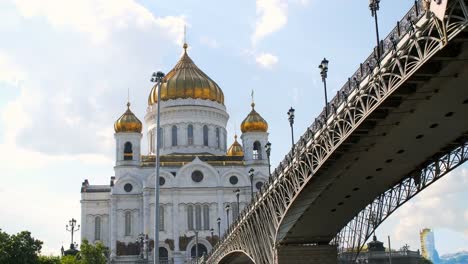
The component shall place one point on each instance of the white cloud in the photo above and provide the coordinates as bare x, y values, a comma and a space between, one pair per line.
266, 60
99, 18
271, 17
210, 42
9, 71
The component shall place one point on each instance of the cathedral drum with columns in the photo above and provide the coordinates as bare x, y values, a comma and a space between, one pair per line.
199, 175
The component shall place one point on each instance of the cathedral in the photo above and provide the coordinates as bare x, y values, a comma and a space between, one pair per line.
203, 183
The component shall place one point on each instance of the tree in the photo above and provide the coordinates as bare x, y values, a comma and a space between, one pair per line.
425, 261
19, 248
49, 260
92, 254
69, 260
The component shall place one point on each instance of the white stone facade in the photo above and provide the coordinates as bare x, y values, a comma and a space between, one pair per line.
198, 179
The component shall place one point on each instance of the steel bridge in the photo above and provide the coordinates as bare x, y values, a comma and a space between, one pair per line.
395, 127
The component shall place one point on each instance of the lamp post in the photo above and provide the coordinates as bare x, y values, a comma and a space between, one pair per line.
251, 176
291, 123
227, 214
196, 245
237, 191
268, 152
142, 240
72, 230
323, 72
212, 231
219, 227
157, 78
374, 7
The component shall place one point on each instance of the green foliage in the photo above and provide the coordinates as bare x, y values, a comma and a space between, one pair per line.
425, 261
19, 248
92, 254
49, 260
69, 260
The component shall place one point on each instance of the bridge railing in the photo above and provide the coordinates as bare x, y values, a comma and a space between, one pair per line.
407, 25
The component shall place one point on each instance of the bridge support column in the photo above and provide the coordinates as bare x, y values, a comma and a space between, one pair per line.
295, 254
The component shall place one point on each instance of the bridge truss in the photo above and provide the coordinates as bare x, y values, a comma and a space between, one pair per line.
417, 38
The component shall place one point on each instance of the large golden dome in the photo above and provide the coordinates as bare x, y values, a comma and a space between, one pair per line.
254, 122
235, 149
128, 122
186, 80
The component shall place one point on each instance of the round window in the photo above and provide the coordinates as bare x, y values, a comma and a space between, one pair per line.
128, 187
259, 185
162, 181
197, 176
233, 180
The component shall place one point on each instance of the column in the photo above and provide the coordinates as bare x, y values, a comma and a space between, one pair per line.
113, 228
323, 254
146, 212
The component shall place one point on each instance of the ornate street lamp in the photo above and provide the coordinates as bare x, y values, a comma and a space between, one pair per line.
227, 214
251, 176
291, 123
212, 231
142, 240
219, 227
324, 73
72, 228
268, 152
237, 191
158, 79
374, 7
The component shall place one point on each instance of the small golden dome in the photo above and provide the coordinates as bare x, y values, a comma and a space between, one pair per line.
254, 122
128, 122
235, 149
186, 80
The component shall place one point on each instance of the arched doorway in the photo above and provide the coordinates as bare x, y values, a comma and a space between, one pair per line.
201, 250
163, 255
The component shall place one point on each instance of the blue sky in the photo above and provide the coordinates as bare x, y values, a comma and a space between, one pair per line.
65, 67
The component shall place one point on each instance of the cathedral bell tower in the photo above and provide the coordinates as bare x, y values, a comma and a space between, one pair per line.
254, 138
128, 139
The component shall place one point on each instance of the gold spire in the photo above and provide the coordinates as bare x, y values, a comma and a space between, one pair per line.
128, 122
235, 149
186, 80
254, 122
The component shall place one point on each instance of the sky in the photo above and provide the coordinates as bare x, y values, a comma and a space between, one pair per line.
66, 68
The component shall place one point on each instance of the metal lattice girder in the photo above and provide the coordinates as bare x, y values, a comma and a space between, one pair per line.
352, 237
416, 39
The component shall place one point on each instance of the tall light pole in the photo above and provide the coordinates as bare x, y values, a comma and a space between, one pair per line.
323, 72
227, 214
196, 245
237, 191
71, 228
268, 152
291, 123
251, 176
219, 227
374, 6
157, 78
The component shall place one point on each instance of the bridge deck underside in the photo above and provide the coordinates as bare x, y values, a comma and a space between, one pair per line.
413, 125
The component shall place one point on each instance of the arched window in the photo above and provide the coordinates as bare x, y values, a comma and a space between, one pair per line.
218, 141
161, 218
128, 223
205, 135
174, 136
128, 151
161, 137
206, 217
201, 250
97, 228
235, 211
198, 216
190, 217
151, 141
257, 151
190, 134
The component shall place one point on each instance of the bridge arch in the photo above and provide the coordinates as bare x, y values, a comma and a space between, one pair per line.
237, 257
